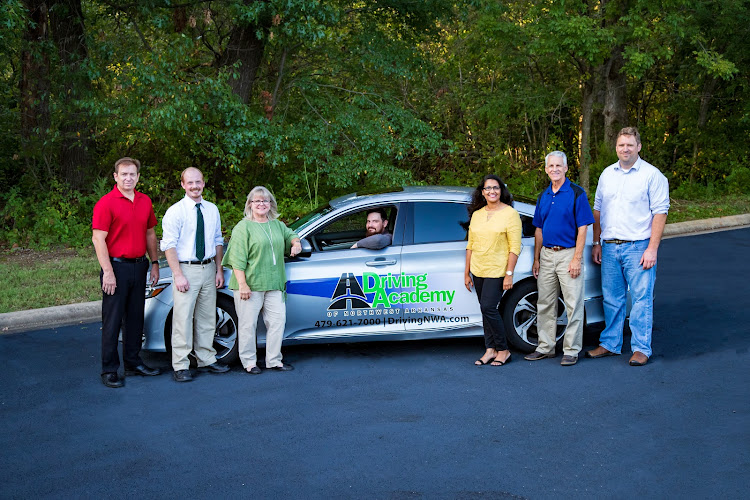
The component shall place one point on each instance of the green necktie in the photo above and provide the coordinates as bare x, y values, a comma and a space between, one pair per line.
200, 236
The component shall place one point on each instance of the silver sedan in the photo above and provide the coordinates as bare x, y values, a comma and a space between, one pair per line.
412, 289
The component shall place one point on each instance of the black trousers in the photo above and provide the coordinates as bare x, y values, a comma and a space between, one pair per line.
126, 304
489, 292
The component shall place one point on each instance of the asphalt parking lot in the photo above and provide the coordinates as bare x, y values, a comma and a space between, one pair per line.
404, 420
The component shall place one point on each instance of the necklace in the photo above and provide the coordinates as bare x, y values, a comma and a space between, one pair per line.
491, 212
270, 242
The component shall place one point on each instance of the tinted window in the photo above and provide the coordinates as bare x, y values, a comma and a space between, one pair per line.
528, 228
343, 232
435, 222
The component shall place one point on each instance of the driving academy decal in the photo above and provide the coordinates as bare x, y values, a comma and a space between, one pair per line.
390, 299
387, 293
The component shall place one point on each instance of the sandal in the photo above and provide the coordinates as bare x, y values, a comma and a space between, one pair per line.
497, 362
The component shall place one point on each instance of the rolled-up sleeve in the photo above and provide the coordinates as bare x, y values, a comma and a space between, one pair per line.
515, 233
658, 194
171, 224
598, 195
218, 237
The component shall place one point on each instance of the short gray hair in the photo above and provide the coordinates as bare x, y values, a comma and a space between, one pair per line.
556, 153
273, 212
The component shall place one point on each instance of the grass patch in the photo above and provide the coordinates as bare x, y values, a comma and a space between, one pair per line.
33, 279
721, 206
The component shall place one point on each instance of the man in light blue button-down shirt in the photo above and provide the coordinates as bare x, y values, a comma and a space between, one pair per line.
195, 260
630, 212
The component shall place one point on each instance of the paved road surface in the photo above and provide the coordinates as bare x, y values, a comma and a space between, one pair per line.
404, 420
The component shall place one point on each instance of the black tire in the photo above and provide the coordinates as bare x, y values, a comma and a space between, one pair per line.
225, 337
518, 309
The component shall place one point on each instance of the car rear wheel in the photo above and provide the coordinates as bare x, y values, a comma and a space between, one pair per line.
225, 336
519, 314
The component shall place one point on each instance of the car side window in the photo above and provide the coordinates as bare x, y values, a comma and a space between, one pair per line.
436, 222
528, 228
347, 230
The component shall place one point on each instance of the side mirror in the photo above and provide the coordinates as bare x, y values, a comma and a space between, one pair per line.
306, 248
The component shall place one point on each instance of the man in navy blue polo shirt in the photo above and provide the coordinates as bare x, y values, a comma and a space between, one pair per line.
561, 219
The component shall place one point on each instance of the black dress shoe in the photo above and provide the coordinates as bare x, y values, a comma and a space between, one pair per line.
282, 368
142, 370
214, 368
182, 376
254, 371
112, 380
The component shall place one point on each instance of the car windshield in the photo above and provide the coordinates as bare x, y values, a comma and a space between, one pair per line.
307, 219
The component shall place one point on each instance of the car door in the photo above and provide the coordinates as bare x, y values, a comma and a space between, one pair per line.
339, 293
435, 300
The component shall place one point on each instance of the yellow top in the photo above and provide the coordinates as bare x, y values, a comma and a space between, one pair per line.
490, 241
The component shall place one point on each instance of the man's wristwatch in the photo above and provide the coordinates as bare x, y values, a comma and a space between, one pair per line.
154, 262
509, 273
597, 242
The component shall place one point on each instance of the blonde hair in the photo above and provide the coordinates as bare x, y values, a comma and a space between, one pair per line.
273, 212
632, 131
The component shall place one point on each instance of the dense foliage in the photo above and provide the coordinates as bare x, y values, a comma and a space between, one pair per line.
316, 98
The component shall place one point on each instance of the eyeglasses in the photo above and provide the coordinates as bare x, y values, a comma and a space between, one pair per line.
260, 202
491, 188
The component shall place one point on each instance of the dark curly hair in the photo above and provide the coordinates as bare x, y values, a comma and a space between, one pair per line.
478, 201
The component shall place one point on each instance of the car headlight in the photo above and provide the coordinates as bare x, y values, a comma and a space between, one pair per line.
153, 291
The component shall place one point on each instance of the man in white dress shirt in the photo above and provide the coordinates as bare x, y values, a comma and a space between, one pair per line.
630, 212
193, 245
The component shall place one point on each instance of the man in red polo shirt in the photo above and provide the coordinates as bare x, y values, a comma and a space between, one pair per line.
123, 227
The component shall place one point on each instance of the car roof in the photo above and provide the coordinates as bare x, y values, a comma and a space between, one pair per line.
419, 193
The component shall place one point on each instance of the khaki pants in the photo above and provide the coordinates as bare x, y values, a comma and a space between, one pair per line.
194, 317
274, 316
553, 278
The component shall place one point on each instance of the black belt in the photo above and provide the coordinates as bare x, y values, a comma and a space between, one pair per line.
557, 248
618, 242
129, 261
197, 262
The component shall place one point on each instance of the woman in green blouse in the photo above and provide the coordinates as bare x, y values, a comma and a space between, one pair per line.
256, 256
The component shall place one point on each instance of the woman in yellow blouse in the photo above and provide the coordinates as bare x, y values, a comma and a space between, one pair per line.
491, 255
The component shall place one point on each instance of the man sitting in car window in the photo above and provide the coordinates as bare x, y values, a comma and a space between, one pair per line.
375, 229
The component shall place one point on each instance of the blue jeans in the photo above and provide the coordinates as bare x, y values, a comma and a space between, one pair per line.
620, 269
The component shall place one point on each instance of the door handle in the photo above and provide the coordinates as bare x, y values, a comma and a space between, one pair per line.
380, 262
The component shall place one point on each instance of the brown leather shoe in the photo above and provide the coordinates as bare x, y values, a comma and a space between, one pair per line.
600, 352
568, 360
638, 359
536, 355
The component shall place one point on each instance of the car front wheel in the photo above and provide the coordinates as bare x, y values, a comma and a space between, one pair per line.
225, 338
519, 314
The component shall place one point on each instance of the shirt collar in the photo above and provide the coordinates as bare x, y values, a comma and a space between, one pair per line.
636, 166
120, 194
565, 186
189, 201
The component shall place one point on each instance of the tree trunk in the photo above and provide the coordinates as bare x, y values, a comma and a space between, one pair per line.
67, 27
587, 115
34, 85
615, 97
706, 96
243, 47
